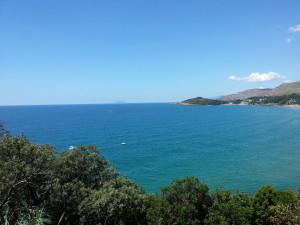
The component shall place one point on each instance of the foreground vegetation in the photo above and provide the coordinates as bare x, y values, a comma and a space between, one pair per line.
41, 186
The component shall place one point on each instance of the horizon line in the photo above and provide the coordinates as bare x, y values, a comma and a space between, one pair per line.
112, 103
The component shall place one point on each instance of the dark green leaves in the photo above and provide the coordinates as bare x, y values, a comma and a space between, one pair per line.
229, 208
25, 173
184, 202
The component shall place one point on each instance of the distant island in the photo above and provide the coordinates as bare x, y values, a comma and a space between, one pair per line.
287, 94
120, 102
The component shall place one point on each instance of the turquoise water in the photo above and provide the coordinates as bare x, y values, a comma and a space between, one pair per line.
236, 147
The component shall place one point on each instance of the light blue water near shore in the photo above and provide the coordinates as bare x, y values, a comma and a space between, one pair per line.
236, 147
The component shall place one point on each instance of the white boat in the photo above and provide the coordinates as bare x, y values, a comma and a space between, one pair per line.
123, 143
71, 147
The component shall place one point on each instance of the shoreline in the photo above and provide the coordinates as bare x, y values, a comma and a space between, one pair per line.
291, 106
187, 104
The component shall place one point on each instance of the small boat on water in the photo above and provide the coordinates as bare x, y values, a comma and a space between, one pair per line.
71, 147
123, 143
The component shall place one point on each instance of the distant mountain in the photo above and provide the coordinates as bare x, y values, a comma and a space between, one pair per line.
274, 100
215, 97
286, 89
246, 94
284, 94
201, 101
283, 89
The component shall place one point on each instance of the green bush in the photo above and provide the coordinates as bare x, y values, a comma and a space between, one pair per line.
76, 174
25, 173
229, 208
184, 202
119, 201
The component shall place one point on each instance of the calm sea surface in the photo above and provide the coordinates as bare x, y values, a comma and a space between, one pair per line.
236, 147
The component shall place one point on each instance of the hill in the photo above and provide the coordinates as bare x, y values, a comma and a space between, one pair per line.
246, 94
201, 101
275, 100
283, 89
286, 89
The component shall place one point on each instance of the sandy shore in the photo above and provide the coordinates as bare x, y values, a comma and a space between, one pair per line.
292, 106
187, 104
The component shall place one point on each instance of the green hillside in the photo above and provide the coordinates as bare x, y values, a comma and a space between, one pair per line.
202, 101
292, 99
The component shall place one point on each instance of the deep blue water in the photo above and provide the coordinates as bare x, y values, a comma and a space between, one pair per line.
236, 147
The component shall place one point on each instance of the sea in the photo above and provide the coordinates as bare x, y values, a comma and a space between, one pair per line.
232, 147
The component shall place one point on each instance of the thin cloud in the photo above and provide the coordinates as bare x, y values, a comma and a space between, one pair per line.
288, 81
294, 29
289, 40
258, 77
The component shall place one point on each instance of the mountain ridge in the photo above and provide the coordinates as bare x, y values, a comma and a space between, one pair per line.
283, 89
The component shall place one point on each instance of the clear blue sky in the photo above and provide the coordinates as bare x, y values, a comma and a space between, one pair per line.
74, 51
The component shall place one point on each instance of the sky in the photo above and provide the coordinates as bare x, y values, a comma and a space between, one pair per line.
90, 52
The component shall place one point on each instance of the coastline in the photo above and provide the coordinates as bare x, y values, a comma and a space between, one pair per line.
291, 106
188, 104
229, 104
